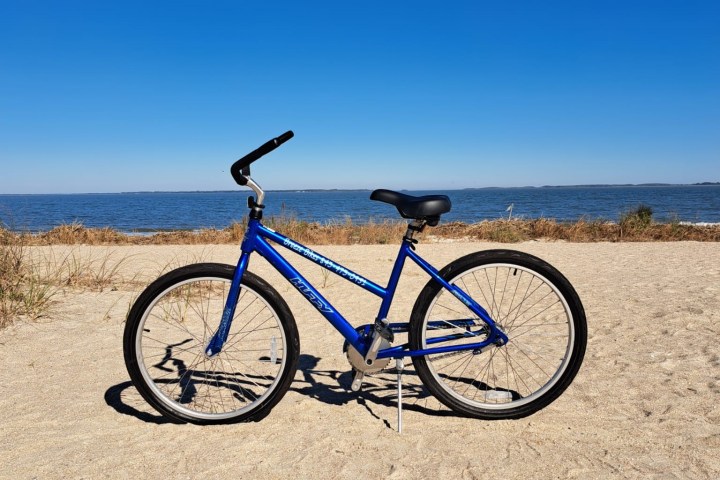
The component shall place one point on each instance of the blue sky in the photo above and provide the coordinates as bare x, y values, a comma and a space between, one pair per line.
127, 96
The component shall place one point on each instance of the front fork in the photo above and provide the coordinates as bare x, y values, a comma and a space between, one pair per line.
220, 337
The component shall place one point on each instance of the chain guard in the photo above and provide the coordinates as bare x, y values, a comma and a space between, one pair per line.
358, 361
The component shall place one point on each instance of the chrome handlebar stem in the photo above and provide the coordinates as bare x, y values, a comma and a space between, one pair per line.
259, 192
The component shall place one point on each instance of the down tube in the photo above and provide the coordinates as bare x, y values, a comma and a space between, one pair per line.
310, 293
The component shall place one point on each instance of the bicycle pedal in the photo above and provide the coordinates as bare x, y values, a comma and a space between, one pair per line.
357, 381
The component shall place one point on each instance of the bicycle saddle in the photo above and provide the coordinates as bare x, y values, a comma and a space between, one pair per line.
426, 207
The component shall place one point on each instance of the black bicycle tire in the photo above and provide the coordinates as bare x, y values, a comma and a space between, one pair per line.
479, 259
225, 272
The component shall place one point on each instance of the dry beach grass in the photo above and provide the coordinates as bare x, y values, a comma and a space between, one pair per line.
631, 228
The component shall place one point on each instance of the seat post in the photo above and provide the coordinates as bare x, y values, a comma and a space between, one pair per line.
416, 226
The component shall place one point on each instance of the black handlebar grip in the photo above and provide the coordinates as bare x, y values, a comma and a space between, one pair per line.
284, 137
241, 168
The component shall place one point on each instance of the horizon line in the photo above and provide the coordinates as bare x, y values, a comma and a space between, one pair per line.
301, 190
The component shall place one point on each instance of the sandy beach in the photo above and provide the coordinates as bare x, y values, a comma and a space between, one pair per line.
646, 402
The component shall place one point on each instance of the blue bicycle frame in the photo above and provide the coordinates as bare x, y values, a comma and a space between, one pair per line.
256, 240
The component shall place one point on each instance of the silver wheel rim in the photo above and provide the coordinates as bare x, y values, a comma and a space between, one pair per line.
220, 372
497, 384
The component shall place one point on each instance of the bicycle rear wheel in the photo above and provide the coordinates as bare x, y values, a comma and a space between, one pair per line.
532, 303
169, 327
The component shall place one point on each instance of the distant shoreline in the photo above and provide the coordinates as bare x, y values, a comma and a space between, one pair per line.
320, 190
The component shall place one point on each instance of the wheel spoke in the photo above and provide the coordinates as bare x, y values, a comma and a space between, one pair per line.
235, 383
534, 315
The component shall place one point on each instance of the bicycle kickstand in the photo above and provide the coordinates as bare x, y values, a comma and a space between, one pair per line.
399, 365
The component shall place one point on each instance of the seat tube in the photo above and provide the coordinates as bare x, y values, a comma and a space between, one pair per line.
405, 246
394, 279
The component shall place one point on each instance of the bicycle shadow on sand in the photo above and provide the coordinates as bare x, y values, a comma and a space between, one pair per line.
327, 386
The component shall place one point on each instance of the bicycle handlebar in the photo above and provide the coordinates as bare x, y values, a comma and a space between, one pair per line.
241, 168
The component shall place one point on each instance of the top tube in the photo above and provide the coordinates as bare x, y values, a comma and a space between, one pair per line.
321, 260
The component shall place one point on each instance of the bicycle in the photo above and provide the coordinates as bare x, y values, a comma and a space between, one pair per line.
496, 334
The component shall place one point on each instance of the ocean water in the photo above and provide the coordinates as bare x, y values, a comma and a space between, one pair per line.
153, 212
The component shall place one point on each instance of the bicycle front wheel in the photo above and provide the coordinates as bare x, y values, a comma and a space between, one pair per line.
168, 330
532, 303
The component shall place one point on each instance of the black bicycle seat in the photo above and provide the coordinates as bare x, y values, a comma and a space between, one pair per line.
426, 207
